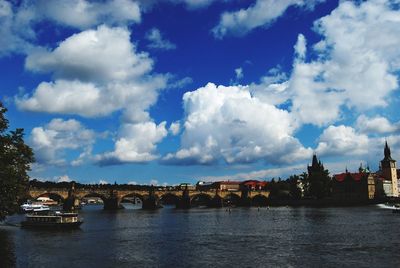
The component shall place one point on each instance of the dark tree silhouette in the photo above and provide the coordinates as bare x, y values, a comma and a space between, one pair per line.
318, 180
15, 160
295, 191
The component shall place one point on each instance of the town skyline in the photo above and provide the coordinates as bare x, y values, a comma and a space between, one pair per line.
154, 92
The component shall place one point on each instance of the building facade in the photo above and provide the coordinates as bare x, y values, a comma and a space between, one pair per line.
360, 186
388, 173
367, 185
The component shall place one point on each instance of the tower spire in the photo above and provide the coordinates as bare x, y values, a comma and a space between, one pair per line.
387, 152
314, 161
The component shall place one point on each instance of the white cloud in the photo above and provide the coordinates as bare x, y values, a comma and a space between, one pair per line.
264, 174
227, 122
136, 144
301, 47
97, 55
357, 65
375, 125
132, 183
352, 69
68, 97
157, 41
18, 21
273, 88
97, 72
239, 73
260, 14
51, 141
181, 83
175, 128
83, 14
15, 30
64, 178
103, 182
154, 182
342, 140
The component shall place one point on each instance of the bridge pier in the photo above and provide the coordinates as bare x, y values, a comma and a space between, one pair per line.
183, 203
151, 202
112, 203
71, 204
245, 200
184, 200
216, 201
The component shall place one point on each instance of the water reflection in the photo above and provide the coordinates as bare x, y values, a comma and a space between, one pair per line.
7, 250
246, 237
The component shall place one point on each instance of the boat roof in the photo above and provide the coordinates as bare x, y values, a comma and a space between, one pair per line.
53, 214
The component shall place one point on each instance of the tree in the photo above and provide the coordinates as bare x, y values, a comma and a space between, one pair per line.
295, 191
15, 160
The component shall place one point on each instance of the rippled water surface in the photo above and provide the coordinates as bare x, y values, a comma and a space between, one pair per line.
275, 237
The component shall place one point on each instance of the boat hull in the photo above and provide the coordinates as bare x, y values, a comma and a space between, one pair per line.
51, 225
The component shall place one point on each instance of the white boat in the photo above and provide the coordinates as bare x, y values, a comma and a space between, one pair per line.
52, 219
34, 207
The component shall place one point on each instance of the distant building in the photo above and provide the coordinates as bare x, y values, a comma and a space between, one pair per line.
367, 185
316, 168
188, 186
204, 186
227, 185
254, 185
388, 173
358, 186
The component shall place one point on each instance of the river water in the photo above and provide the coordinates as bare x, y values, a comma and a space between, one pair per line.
245, 237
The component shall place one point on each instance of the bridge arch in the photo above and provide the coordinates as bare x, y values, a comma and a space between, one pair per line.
134, 195
232, 199
54, 196
36, 194
93, 194
201, 199
169, 199
259, 200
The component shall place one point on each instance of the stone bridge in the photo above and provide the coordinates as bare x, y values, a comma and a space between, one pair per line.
113, 197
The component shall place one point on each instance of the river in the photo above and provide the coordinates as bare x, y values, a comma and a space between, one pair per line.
245, 237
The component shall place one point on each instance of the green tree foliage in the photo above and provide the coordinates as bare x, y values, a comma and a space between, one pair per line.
15, 160
278, 189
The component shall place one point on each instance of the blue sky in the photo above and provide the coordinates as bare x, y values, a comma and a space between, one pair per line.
176, 91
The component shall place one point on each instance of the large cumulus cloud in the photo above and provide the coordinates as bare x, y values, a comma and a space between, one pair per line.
228, 123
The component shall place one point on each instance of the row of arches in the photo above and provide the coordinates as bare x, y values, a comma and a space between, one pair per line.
198, 200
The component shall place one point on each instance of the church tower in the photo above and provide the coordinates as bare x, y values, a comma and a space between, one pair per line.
389, 171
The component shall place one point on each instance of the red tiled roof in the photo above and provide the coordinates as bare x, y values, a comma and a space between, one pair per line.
342, 176
230, 182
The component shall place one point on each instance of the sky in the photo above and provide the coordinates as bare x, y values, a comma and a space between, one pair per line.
169, 91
